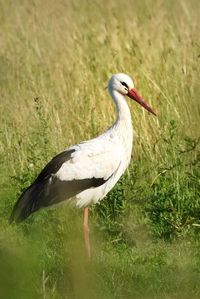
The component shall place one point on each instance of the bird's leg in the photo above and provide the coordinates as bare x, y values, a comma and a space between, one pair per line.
86, 232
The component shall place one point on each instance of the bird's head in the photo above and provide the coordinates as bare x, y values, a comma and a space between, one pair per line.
123, 84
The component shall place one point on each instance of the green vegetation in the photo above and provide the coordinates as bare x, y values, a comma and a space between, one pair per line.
55, 60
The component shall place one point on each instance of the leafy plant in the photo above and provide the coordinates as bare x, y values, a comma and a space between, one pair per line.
174, 203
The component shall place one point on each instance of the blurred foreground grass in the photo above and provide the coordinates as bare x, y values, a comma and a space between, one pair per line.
55, 60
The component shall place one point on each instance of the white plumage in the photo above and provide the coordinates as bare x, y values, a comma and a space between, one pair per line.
85, 173
106, 156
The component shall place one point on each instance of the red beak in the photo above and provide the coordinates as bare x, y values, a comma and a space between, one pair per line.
133, 94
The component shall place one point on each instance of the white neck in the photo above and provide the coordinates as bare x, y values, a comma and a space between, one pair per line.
123, 125
123, 119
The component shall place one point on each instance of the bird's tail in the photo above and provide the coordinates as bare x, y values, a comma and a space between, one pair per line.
25, 205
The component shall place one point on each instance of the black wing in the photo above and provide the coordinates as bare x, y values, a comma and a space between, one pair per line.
54, 165
48, 190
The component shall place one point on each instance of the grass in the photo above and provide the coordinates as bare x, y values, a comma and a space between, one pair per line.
55, 61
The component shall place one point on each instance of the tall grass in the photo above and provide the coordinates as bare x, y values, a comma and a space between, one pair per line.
55, 61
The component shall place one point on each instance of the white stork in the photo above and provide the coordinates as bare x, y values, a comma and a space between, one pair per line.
86, 172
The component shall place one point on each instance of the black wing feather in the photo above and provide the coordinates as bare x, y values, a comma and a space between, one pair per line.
54, 165
48, 190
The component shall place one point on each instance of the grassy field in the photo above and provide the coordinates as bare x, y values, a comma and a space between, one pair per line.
55, 60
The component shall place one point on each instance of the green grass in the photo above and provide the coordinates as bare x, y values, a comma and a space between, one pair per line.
55, 61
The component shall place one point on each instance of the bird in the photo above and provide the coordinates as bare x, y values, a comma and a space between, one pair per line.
84, 173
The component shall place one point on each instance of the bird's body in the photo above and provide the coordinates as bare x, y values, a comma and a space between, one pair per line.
84, 173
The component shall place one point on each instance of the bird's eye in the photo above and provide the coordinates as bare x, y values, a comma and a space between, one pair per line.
124, 84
